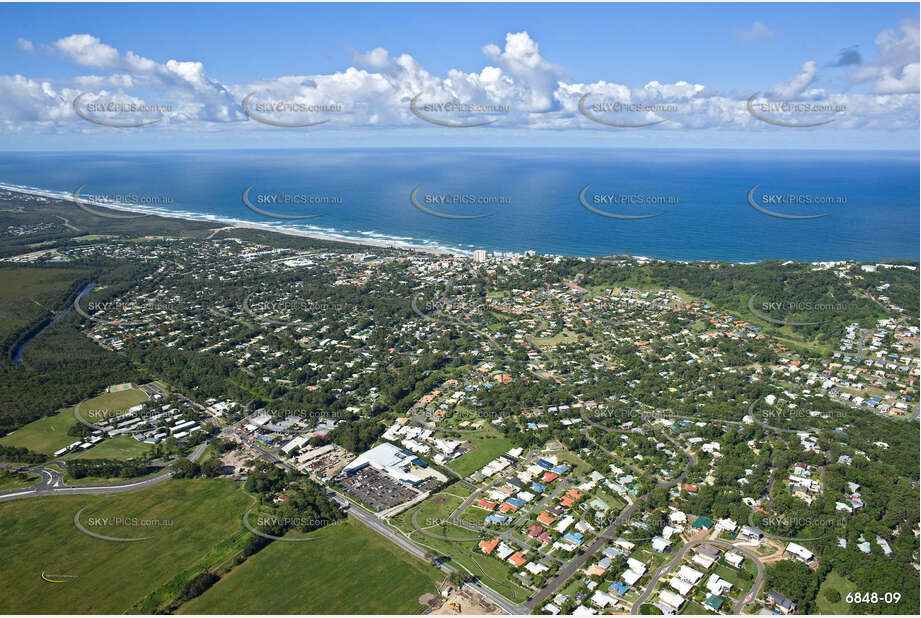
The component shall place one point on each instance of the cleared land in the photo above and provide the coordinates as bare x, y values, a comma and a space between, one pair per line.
111, 577
834, 581
119, 447
46, 435
108, 404
348, 570
489, 445
11, 480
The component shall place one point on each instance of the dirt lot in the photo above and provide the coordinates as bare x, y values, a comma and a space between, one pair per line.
470, 603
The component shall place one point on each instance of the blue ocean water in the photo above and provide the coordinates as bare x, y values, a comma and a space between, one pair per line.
702, 195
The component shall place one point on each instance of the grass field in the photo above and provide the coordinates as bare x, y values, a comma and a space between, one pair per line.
834, 581
119, 447
111, 577
108, 404
349, 570
10, 480
489, 445
49, 434
46, 435
463, 554
96, 480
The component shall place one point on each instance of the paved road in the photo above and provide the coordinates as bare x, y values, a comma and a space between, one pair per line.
740, 602
579, 561
52, 483
372, 521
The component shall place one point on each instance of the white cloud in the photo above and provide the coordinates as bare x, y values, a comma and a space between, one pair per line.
376, 91
795, 86
896, 71
758, 33
25, 45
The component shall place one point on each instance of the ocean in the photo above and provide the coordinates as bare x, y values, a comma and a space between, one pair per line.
530, 198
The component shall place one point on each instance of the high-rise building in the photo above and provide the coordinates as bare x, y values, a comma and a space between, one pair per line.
479, 256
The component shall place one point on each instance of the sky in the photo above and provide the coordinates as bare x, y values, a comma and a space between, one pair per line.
540, 74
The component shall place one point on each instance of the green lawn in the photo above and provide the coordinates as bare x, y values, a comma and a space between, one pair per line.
693, 607
834, 581
49, 434
464, 555
38, 535
489, 445
12, 480
46, 435
98, 408
349, 570
97, 480
119, 447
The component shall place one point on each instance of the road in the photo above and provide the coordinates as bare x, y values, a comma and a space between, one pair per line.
372, 521
740, 602
52, 483
579, 561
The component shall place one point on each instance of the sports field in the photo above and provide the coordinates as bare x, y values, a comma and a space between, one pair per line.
98, 408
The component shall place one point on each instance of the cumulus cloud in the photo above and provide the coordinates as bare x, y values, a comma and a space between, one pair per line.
25, 45
758, 33
896, 71
794, 87
376, 91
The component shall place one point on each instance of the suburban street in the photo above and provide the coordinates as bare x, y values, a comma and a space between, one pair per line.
679, 555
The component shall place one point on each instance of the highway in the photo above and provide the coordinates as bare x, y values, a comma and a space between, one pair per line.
52, 482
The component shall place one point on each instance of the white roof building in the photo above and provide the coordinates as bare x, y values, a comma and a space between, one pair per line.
680, 585
689, 575
800, 552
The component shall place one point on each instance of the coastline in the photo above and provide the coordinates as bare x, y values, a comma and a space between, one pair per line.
230, 223
225, 223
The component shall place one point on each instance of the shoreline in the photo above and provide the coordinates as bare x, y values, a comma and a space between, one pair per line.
439, 250
227, 223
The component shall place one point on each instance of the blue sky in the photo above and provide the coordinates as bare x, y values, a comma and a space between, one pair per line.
705, 59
